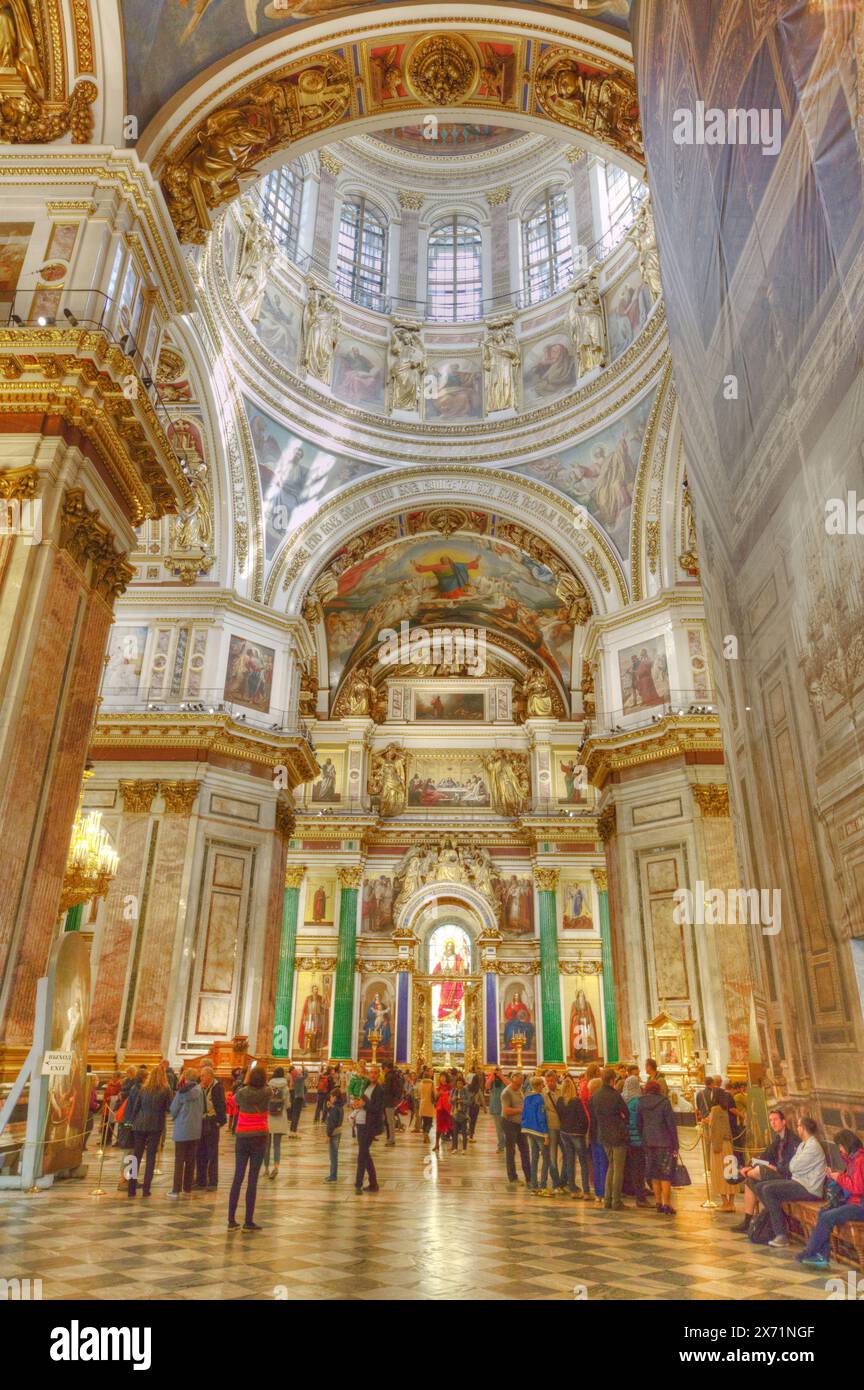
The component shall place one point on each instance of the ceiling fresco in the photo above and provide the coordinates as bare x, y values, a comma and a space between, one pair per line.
450, 138
168, 42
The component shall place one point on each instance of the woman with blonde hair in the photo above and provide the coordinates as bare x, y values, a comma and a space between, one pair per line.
720, 1149
145, 1114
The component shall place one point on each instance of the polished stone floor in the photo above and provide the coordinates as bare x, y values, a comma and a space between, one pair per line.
451, 1230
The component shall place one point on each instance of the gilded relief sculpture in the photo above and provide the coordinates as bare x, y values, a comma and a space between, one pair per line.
389, 780
509, 781
535, 692
501, 362
587, 328
643, 238
601, 101
321, 323
406, 367
29, 112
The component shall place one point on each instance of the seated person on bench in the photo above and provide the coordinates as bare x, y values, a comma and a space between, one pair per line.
806, 1182
776, 1156
850, 1181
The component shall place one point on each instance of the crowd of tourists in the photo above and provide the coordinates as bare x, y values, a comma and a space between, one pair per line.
598, 1137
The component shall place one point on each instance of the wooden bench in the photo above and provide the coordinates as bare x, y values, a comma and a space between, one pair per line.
847, 1241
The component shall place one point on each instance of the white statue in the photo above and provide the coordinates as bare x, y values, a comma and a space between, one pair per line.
501, 360
407, 367
320, 333
253, 262
586, 324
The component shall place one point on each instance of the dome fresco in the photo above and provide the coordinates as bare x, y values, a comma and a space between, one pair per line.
451, 138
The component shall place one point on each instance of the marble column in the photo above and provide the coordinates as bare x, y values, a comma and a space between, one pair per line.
550, 984
287, 951
610, 1050
343, 1000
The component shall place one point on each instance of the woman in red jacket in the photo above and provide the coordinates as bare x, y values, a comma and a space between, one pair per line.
253, 1106
850, 1181
443, 1113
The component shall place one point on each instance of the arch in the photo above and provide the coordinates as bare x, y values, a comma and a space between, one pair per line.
227, 125
429, 898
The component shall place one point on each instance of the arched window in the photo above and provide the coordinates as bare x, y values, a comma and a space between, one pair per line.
547, 247
620, 195
361, 253
454, 270
282, 200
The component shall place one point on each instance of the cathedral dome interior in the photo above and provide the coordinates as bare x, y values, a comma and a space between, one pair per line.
430, 588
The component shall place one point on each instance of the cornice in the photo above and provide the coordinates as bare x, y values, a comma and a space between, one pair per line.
117, 735
672, 737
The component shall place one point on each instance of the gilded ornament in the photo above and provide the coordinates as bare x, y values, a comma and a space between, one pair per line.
594, 97
601, 879
712, 798
509, 780
389, 780
652, 544
285, 820
587, 325
502, 360
138, 797
496, 197
179, 797
349, 875
535, 692
442, 69
547, 879
412, 202
607, 823
406, 366
294, 875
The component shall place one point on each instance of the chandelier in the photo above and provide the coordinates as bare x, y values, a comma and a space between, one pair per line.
92, 861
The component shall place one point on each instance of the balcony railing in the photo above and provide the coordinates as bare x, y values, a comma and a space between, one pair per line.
152, 701
677, 703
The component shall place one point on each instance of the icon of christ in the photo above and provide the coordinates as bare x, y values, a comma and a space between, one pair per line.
452, 990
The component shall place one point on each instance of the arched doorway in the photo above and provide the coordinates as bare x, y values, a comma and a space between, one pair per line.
447, 1008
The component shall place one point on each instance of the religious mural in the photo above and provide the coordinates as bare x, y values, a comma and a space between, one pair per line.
249, 674
518, 1021
359, 373
376, 912
320, 900
312, 1015
628, 305
454, 389
295, 475
449, 958
575, 896
444, 782
278, 326
600, 472
570, 778
516, 899
439, 705
549, 369
644, 673
125, 660
377, 1019
583, 1018
327, 789
453, 583
447, 138
14, 240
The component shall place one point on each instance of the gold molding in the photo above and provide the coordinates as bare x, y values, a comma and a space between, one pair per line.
285, 820
138, 797
18, 484
294, 875
90, 543
349, 875
496, 196
179, 797
547, 879
673, 737
83, 37
712, 798
329, 162
607, 823
601, 879
117, 734
412, 202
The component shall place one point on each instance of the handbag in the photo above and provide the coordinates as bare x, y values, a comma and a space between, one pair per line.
681, 1177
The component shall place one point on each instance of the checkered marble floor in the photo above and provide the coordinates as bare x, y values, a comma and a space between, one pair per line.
451, 1230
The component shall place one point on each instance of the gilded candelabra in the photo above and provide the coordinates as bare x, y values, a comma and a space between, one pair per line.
374, 1036
518, 1040
92, 861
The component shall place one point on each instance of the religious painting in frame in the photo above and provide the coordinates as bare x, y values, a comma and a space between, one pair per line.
583, 1019
571, 778
576, 904
377, 1019
312, 1016
517, 904
376, 912
439, 705
320, 900
439, 782
14, 240
125, 660
249, 674
327, 787
518, 1009
644, 672
449, 949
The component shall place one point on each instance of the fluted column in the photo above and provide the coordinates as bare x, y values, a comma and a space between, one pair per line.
287, 952
343, 1002
550, 987
611, 1048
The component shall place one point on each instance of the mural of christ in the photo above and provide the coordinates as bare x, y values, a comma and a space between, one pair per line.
452, 990
453, 576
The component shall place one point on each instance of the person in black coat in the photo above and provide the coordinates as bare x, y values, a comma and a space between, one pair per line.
655, 1121
145, 1114
610, 1123
369, 1124
215, 1116
777, 1155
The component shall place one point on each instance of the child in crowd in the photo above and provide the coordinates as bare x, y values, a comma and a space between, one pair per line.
333, 1120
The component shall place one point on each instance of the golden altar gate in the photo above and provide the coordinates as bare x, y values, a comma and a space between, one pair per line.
421, 1012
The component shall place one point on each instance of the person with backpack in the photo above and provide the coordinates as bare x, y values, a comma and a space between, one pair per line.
333, 1122
322, 1089
277, 1120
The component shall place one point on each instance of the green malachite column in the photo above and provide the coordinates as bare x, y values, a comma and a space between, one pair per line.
550, 987
287, 952
343, 1004
73, 918
608, 975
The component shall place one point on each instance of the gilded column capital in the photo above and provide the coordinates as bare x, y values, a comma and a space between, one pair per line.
90, 543
285, 820
712, 798
496, 196
179, 797
349, 875
607, 823
413, 202
294, 875
329, 162
18, 484
547, 879
138, 797
601, 879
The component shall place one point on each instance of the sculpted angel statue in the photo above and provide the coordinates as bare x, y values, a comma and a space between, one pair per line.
501, 359
644, 239
361, 694
482, 872
586, 325
389, 780
196, 527
508, 782
320, 333
407, 365
253, 261
538, 701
